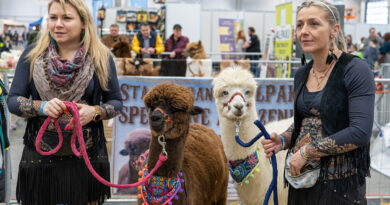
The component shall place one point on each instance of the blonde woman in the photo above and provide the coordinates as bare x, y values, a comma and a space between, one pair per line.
68, 63
328, 143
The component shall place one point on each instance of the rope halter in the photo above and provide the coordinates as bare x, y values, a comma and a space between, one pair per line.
167, 119
231, 99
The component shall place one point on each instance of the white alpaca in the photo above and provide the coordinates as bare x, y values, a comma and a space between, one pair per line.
242, 107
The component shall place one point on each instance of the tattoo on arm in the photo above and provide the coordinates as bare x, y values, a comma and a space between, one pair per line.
287, 135
326, 147
108, 111
28, 107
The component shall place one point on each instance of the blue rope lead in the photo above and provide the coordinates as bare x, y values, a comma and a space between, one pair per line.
273, 186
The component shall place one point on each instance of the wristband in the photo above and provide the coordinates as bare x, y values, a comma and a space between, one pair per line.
283, 142
42, 105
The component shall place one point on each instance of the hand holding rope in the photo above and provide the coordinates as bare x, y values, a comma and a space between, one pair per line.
77, 132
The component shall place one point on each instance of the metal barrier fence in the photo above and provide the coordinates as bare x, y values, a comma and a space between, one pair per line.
204, 67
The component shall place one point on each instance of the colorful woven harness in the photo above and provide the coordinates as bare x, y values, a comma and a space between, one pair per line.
231, 99
77, 132
160, 190
242, 170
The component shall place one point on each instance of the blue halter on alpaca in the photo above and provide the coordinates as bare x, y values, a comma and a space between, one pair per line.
273, 186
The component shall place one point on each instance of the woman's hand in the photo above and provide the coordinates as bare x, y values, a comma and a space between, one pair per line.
273, 144
54, 108
296, 163
87, 113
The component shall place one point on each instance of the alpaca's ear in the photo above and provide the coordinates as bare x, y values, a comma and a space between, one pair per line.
197, 110
199, 44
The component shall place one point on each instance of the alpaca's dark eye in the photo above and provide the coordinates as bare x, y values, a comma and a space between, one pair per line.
225, 93
248, 92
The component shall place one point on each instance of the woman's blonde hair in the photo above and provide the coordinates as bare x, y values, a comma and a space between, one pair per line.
97, 51
332, 16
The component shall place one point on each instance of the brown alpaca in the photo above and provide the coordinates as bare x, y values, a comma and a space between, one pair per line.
120, 66
140, 67
192, 148
195, 50
121, 49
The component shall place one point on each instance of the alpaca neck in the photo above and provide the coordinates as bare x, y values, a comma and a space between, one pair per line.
247, 132
175, 150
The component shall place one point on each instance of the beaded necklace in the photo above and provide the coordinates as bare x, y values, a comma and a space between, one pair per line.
160, 190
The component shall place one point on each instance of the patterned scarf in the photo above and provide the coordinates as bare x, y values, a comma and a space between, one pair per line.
61, 71
56, 77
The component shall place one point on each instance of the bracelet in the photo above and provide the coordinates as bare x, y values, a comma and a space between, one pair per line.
303, 154
97, 116
283, 142
41, 109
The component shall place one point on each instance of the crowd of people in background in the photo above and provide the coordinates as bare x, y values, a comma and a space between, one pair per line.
375, 48
148, 43
14, 39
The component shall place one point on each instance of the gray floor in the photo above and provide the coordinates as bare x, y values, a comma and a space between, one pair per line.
377, 185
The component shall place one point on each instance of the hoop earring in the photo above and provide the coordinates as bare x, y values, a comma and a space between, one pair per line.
331, 57
303, 59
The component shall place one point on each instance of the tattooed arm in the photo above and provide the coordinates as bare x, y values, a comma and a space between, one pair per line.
287, 135
112, 99
360, 84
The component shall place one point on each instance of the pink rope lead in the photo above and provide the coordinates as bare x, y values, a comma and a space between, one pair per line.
77, 131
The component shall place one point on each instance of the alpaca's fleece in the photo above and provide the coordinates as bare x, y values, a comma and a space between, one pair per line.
192, 148
234, 93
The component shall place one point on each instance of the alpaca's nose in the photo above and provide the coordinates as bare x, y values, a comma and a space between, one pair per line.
156, 116
157, 120
238, 106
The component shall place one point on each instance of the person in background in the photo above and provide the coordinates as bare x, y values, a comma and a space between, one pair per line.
33, 36
68, 63
385, 49
147, 43
2, 43
110, 39
253, 46
348, 41
7, 44
175, 44
373, 34
15, 38
240, 41
333, 116
371, 53
361, 45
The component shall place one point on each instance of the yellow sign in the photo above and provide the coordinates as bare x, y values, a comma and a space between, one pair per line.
283, 38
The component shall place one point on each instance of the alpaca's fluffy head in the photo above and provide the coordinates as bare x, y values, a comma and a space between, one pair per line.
170, 107
195, 50
234, 91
